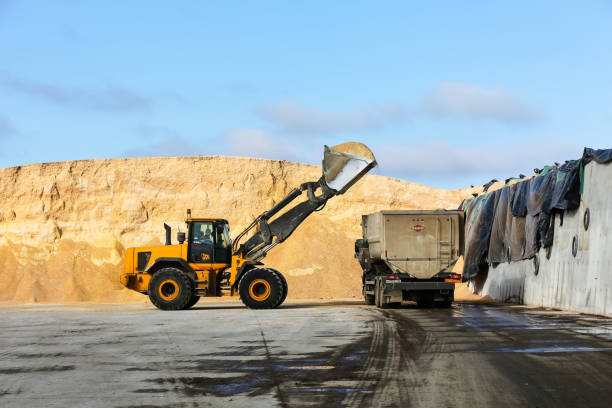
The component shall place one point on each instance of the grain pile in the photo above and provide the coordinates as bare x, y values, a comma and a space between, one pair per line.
64, 226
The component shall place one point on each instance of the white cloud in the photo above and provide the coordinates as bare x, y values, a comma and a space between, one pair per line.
263, 144
437, 161
245, 142
157, 132
471, 101
169, 148
110, 98
6, 128
294, 117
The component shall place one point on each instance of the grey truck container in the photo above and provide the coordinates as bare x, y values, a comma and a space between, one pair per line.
409, 255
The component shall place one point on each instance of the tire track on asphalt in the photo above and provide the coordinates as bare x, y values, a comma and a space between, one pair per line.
271, 370
369, 373
394, 361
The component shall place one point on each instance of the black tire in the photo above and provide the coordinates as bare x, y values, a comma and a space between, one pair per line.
283, 281
170, 289
378, 296
285, 287
261, 288
425, 302
194, 299
381, 297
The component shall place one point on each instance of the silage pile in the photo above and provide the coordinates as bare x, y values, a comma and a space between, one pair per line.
64, 226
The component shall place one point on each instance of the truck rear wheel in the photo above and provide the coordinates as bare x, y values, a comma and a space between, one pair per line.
425, 301
378, 295
261, 288
170, 289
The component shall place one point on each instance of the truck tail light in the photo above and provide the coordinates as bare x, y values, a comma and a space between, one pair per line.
457, 251
453, 277
392, 277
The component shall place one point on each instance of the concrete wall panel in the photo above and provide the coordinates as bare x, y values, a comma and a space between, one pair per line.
582, 283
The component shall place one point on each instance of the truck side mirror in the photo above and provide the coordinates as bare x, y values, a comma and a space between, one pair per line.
180, 237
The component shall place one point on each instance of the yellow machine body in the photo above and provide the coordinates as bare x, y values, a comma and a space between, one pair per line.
205, 275
207, 263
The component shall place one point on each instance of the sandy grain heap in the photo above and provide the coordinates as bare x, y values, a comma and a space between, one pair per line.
64, 226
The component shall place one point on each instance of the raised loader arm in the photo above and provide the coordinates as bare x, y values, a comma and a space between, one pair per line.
343, 166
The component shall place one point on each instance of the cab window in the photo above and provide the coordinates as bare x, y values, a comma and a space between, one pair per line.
223, 245
201, 242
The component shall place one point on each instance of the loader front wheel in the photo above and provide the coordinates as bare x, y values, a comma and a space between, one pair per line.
261, 288
285, 287
170, 289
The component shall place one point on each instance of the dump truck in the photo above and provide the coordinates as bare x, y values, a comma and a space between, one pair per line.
409, 256
206, 262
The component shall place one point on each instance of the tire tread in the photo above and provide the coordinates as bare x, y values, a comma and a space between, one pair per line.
185, 286
275, 283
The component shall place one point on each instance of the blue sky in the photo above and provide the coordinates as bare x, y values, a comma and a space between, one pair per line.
446, 95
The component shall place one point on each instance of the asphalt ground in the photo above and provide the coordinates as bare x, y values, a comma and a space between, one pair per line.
303, 354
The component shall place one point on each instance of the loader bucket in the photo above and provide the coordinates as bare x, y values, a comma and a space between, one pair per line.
345, 164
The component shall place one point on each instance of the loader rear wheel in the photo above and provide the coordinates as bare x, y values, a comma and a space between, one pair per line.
261, 288
170, 289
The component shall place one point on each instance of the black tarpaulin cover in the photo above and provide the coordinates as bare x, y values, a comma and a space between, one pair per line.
498, 248
517, 239
513, 223
566, 187
540, 193
519, 201
479, 220
532, 241
600, 155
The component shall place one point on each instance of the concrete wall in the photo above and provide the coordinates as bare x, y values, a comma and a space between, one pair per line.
582, 283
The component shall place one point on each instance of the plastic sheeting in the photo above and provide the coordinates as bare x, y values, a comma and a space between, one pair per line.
498, 242
519, 202
540, 193
479, 220
518, 239
532, 241
515, 222
566, 187
600, 155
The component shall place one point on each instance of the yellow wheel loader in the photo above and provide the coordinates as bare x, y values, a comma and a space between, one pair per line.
205, 262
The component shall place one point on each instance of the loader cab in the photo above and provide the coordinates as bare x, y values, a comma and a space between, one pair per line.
208, 241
